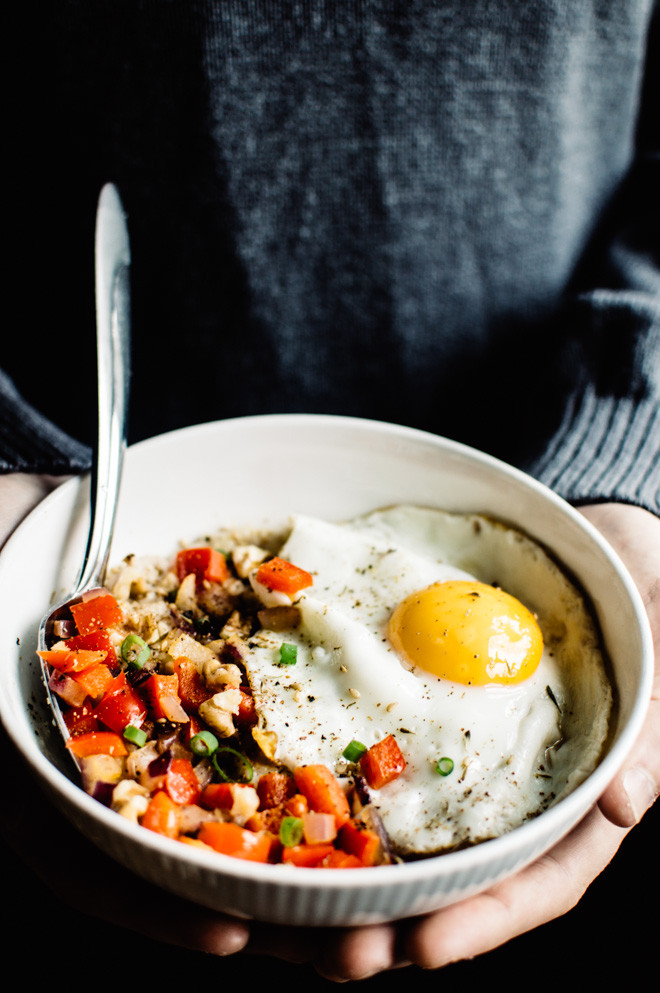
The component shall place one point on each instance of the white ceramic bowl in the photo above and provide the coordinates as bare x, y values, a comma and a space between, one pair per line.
258, 470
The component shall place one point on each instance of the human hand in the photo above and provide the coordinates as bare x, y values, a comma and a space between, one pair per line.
550, 886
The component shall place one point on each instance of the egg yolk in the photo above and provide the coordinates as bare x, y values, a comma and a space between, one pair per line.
468, 632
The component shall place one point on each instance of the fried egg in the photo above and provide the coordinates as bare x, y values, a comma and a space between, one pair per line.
460, 637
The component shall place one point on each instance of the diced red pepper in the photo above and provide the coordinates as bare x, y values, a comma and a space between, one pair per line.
72, 661
162, 815
81, 720
338, 859
247, 712
282, 576
97, 743
323, 791
181, 783
231, 839
96, 612
307, 856
205, 562
382, 763
99, 641
222, 796
94, 680
192, 690
356, 839
121, 705
162, 692
217, 796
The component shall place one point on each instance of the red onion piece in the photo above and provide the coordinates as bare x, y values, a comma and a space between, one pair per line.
103, 793
67, 688
160, 766
64, 629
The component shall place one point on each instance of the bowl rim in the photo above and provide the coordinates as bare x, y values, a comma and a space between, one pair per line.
568, 810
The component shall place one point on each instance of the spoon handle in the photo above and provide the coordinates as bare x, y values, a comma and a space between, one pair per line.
112, 260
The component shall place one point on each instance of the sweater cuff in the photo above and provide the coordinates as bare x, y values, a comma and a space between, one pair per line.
607, 449
29, 442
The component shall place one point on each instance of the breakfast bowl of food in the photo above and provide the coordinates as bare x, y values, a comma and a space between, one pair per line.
323, 644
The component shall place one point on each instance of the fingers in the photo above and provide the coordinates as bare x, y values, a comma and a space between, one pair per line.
296, 945
361, 952
337, 954
635, 535
636, 788
173, 921
545, 890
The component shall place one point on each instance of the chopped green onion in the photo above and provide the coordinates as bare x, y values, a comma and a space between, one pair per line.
137, 735
354, 751
288, 654
291, 831
238, 759
444, 766
134, 650
204, 744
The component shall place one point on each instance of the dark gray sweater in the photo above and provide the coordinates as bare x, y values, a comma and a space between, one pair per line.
440, 213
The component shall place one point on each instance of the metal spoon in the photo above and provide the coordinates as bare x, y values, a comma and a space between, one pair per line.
112, 263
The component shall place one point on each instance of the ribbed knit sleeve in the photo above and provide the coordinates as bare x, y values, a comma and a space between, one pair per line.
620, 461
29, 442
608, 444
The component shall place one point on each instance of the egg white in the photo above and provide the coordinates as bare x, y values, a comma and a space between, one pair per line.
515, 748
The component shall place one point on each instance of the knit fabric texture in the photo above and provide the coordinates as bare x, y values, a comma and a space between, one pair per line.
440, 213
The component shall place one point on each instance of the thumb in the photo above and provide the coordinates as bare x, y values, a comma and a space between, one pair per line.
634, 534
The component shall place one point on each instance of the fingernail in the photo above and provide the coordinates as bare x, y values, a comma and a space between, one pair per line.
640, 790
